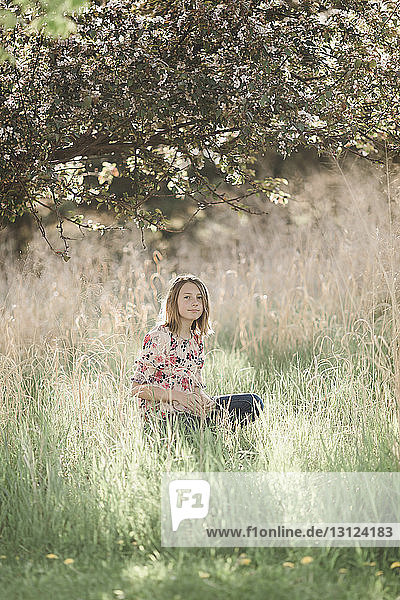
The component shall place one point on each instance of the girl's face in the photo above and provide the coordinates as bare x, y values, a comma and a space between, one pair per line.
190, 303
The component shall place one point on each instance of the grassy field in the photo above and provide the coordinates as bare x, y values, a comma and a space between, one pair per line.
80, 480
314, 335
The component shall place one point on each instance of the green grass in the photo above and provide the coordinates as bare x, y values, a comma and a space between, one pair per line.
199, 574
80, 477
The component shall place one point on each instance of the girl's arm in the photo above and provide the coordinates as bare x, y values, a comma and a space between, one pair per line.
194, 402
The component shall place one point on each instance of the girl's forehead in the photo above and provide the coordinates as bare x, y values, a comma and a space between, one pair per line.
189, 288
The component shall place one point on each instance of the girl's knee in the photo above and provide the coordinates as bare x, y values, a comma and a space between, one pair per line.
258, 400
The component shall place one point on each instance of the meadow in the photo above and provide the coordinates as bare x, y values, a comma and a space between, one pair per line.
305, 315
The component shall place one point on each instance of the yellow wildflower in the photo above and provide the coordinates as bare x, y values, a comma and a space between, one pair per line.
369, 564
306, 560
288, 564
244, 561
68, 561
378, 573
51, 556
395, 564
204, 575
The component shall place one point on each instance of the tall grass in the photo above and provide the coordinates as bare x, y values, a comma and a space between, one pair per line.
306, 320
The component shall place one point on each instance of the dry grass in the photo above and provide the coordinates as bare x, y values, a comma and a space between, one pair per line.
304, 313
272, 285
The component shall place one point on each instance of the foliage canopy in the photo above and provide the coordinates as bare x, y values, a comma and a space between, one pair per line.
169, 89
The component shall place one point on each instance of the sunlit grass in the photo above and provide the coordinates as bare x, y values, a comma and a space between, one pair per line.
80, 473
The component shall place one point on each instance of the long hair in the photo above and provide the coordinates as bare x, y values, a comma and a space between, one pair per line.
171, 317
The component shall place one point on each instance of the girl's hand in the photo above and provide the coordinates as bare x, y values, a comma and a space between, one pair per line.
205, 400
190, 400
197, 402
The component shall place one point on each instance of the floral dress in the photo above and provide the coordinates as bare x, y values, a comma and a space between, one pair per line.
171, 362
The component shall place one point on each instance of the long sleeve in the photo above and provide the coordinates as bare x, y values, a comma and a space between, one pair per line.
200, 380
200, 364
149, 365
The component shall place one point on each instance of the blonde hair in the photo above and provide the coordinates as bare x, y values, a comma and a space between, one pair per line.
200, 326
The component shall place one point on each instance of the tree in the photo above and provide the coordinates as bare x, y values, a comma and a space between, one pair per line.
49, 17
169, 88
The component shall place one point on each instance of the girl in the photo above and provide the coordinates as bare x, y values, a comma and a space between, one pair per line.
167, 376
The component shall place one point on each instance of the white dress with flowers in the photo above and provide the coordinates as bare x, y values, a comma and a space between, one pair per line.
169, 361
